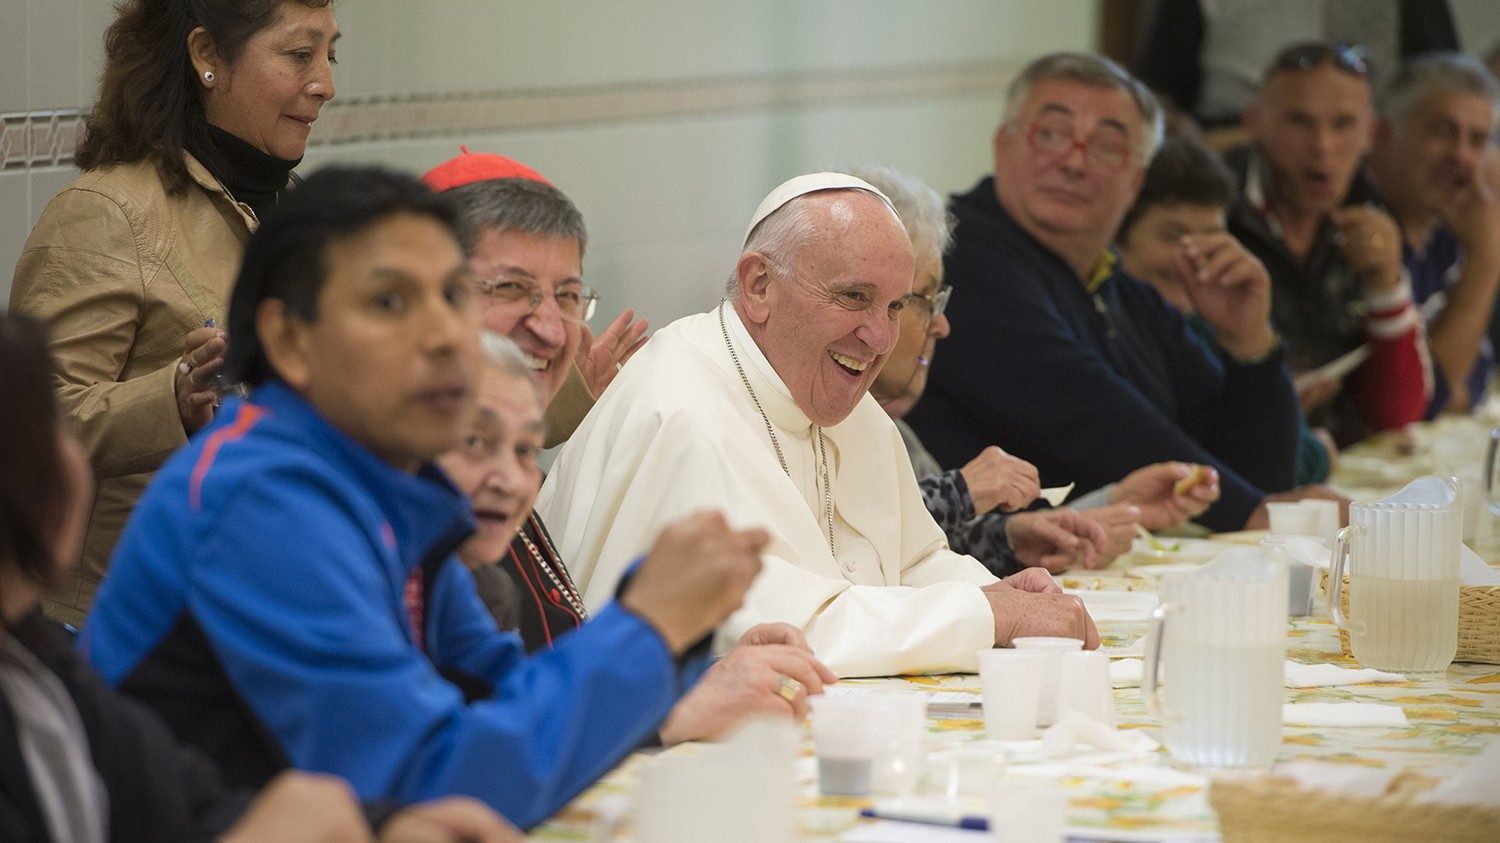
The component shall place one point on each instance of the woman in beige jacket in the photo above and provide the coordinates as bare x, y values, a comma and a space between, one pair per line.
204, 108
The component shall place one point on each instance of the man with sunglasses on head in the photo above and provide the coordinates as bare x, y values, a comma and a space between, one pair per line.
1077, 367
1309, 213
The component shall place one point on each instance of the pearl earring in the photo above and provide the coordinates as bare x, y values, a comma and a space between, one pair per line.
208, 76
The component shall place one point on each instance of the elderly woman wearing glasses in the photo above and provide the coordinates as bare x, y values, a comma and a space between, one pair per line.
977, 505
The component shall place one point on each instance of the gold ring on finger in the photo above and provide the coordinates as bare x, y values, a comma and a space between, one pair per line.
788, 688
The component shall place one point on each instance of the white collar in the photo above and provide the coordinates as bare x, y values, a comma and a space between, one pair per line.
769, 388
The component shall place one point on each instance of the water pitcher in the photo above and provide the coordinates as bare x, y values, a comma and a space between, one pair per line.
1220, 636
1403, 555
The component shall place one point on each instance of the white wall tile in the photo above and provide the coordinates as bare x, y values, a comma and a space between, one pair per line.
53, 60
14, 38
15, 222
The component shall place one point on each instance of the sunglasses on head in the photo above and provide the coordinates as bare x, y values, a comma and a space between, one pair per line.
1349, 58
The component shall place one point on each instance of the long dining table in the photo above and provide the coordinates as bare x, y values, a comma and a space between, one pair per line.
1450, 716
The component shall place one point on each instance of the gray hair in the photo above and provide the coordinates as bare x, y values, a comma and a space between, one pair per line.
928, 222
1092, 70
501, 352
1434, 73
515, 204
781, 234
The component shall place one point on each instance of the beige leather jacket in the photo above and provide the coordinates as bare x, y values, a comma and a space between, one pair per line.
121, 272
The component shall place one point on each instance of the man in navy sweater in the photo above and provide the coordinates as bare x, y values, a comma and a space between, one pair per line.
1064, 360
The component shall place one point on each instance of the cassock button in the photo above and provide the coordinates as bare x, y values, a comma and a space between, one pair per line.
849, 565
555, 596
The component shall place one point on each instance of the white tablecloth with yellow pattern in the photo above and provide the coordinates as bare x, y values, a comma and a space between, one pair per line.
1452, 716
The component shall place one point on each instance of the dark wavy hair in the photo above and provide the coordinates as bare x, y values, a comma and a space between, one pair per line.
287, 256
149, 103
32, 494
1184, 172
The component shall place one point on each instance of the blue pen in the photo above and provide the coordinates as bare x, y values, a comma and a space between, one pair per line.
917, 815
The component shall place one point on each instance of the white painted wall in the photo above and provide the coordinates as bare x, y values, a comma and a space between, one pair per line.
665, 199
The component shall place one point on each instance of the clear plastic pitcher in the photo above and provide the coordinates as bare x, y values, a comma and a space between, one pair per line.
1220, 636
1403, 557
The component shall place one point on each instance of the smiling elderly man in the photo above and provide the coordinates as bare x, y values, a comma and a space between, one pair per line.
761, 407
1077, 367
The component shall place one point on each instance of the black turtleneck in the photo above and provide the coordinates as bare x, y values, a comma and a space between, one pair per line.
251, 176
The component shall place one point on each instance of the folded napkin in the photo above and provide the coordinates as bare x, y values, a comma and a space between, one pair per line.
1126, 673
1057, 494
1473, 570
1342, 714
1308, 551
1076, 739
1064, 736
1319, 675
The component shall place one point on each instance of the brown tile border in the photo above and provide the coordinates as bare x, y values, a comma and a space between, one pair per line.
47, 138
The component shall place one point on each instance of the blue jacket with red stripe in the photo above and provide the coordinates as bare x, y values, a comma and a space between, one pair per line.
283, 597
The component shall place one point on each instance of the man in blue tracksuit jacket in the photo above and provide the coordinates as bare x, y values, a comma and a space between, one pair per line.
286, 595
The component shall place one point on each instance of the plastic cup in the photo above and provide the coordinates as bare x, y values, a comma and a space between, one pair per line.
868, 744
1328, 519
1012, 682
1053, 648
1083, 686
965, 774
1293, 519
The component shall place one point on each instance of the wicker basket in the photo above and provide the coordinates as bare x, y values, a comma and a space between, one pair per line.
1274, 809
1478, 621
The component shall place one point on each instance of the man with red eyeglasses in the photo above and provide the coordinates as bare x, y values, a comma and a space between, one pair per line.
1063, 359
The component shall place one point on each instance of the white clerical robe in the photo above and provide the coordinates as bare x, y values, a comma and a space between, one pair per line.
677, 432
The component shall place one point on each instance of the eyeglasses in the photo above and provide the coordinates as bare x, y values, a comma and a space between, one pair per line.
1349, 58
934, 302
575, 302
1106, 147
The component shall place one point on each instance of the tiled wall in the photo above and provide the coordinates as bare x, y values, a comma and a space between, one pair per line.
666, 121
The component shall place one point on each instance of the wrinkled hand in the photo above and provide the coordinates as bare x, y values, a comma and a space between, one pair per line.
302, 808
1153, 490
1118, 521
1055, 539
1024, 608
743, 683
1260, 519
1231, 290
203, 352
997, 479
600, 358
458, 819
1371, 243
694, 577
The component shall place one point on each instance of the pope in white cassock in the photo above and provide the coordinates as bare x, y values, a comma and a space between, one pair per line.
761, 408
